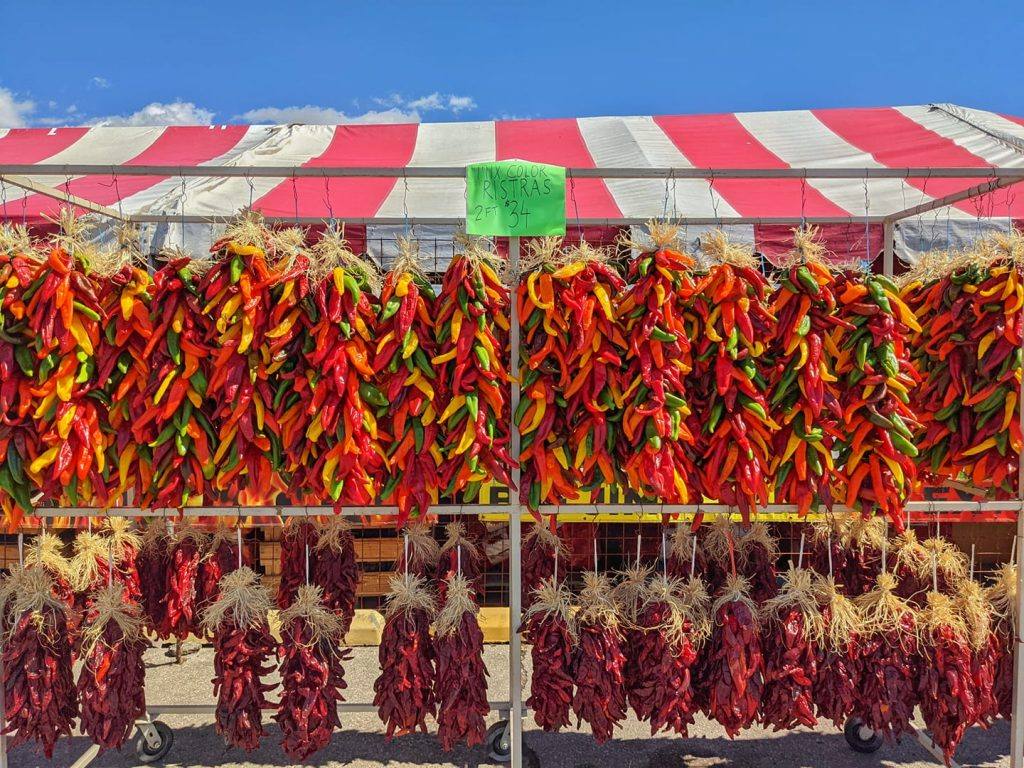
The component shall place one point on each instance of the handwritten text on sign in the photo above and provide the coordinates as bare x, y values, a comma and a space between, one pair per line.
515, 198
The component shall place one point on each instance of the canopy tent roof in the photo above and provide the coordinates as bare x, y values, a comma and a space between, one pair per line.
860, 142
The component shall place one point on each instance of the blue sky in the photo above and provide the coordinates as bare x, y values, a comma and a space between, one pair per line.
196, 62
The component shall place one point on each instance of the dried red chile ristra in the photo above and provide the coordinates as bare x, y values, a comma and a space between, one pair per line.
945, 687
540, 547
758, 553
675, 618
461, 686
152, 564
404, 691
1002, 597
548, 631
888, 661
125, 542
244, 654
111, 683
336, 571
862, 545
628, 596
312, 675
733, 671
90, 569
39, 690
682, 564
793, 629
298, 537
459, 554
219, 559
46, 551
598, 666
976, 612
180, 615
423, 551
911, 567
834, 688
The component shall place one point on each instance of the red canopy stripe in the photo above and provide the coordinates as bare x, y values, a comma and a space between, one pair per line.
357, 146
561, 143
896, 141
721, 141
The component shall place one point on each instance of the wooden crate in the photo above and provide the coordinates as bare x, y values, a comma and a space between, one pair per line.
375, 584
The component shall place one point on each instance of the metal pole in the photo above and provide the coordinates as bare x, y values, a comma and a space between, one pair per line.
888, 252
3, 712
515, 576
1017, 723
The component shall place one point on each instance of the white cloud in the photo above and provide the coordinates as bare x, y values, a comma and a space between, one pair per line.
100, 82
392, 100
313, 115
157, 113
72, 109
433, 101
14, 113
461, 103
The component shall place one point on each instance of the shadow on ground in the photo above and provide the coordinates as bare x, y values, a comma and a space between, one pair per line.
198, 746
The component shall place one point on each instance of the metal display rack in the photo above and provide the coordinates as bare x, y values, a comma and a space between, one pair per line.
989, 180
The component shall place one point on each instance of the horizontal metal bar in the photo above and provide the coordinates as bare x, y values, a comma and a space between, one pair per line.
504, 509
956, 197
170, 218
449, 172
282, 511
349, 708
714, 509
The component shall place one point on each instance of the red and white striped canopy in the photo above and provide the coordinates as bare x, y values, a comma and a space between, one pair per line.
893, 137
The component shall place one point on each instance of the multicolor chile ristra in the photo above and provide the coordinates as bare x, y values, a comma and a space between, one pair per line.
404, 366
656, 446
875, 451
804, 397
176, 422
474, 387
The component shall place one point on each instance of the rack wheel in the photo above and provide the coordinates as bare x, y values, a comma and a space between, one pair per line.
498, 747
154, 741
860, 737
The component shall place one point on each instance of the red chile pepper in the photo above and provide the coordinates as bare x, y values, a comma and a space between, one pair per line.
152, 564
790, 641
111, 684
460, 554
39, 689
548, 630
945, 685
1002, 596
733, 672
404, 691
244, 654
976, 611
461, 685
598, 667
663, 691
835, 687
335, 570
758, 553
541, 546
888, 664
298, 542
422, 551
220, 559
312, 676
180, 617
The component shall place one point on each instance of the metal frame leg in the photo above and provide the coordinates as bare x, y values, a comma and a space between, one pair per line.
515, 682
1017, 723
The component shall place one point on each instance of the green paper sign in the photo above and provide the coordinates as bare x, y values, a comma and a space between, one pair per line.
515, 198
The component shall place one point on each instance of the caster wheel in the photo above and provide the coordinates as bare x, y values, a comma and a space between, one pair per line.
499, 748
860, 738
150, 753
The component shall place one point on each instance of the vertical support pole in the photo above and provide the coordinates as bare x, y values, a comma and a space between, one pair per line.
515, 574
3, 713
1017, 723
888, 248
